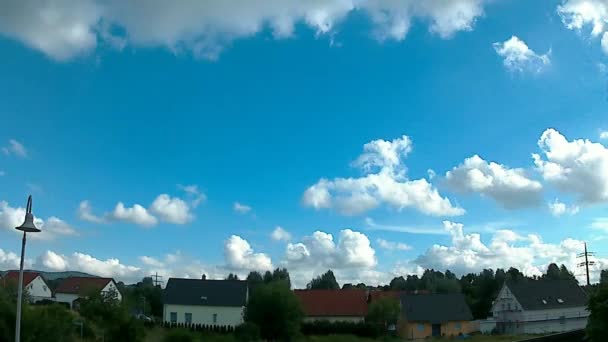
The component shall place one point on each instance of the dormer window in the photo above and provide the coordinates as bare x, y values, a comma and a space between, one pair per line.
544, 301
559, 300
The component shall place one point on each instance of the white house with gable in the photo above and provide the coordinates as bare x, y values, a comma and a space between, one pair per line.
201, 301
540, 306
73, 288
34, 284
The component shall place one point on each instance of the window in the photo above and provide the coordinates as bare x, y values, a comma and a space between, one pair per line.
503, 306
509, 306
559, 300
214, 318
44, 288
188, 318
544, 301
457, 326
174, 317
420, 327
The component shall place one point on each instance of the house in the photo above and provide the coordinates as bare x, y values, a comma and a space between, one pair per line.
540, 306
428, 315
33, 282
202, 301
333, 305
73, 288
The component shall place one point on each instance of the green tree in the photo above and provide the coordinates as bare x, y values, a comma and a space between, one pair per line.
604, 277
398, 283
281, 274
325, 281
384, 311
597, 328
553, 272
276, 310
513, 274
232, 277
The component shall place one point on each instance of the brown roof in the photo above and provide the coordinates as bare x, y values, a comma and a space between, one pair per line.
82, 285
28, 277
339, 303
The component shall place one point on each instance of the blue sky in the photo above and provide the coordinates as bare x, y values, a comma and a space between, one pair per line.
319, 118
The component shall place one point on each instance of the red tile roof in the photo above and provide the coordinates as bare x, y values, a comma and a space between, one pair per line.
81, 285
28, 277
339, 303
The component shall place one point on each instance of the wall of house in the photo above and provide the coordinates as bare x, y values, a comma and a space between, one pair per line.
112, 287
38, 290
204, 314
353, 319
420, 330
66, 298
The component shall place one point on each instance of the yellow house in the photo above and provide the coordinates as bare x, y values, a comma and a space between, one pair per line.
427, 315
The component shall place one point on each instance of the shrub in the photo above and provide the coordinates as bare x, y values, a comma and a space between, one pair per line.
247, 332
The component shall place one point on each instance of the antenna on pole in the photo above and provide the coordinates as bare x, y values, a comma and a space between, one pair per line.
156, 279
586, 263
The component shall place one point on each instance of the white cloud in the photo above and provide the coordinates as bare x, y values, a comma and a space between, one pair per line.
390, 245
530, 254
14, 147
604, 135
136, 214
577, 14
9, 260
509, 187
579, 166
53, 261
151, 262
52, 227
171, 209
111, 267
319, 250
241, 208
558, 208
280, 234
195, 194
372, 225
240, 256
519, 57
69, 28
385, 181
85, 213
600, 223
164, 208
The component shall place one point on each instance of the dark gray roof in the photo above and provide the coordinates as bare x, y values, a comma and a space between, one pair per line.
205, 292
435, 308
531, 293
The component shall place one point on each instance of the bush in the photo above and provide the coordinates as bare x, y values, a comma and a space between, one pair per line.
247, 332
180, 335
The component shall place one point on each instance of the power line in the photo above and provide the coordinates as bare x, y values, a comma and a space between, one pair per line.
586, 263
156, 279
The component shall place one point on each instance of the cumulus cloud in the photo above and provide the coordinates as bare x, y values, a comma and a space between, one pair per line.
384, 182
353, 250
578, 14
11, 217
604, 135
241, 208
8, 260
579, 167
511, 188
518, 57
171, 209
136, 214
280, 234
82, 262
240, 256
558, 208
14, 147
390, 245
70, 28
164, 208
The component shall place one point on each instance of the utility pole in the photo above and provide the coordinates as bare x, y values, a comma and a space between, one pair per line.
155, 279
587, 263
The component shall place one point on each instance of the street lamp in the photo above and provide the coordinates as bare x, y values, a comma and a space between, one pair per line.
28, 226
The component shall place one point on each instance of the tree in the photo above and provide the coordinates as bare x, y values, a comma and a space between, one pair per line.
276, 310
267, 277
514, 274
398, 283
604, 277
565, 274
281, 274
254, 278
232, 277
384, 311
325, 281
553, 272
597, 329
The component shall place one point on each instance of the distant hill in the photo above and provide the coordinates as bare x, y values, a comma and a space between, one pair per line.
56, 275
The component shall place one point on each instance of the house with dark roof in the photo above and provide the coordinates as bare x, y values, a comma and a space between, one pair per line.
202, 301
427, 315
34, 284
540, 306
73, 288
333, 305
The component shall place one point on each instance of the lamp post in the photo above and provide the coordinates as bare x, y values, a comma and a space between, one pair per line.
28, 226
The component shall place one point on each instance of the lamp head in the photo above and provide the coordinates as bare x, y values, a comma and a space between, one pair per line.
28, 225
